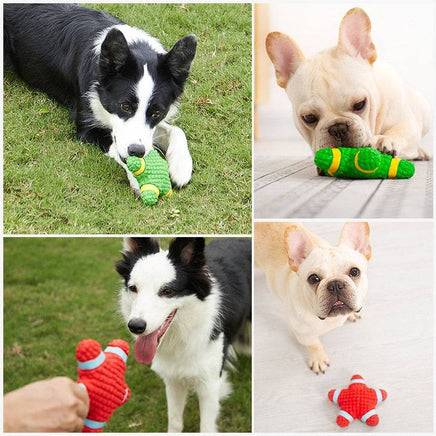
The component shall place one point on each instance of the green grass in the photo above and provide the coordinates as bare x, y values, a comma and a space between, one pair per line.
55, 184
58, 291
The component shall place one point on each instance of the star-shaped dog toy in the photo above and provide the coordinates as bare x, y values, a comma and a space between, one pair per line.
358, 401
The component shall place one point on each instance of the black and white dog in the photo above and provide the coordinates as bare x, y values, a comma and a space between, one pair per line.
185, 306
121, 84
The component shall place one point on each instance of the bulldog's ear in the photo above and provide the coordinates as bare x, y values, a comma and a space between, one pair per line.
298, 245
284, 54
356, 236
355, 35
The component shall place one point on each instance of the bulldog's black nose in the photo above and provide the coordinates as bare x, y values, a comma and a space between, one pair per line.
336, 287
137, 325
136, 150
338, 131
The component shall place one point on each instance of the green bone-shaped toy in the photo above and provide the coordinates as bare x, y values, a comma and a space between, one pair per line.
362, 163
151, 172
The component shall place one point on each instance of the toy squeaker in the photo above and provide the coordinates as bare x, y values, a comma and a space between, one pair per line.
101, 373
362, 163
152, 174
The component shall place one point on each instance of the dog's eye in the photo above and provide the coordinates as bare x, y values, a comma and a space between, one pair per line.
310, 119
133, 288
354, 272
313, 279
156, 114
126, 107
359, 106
165, 292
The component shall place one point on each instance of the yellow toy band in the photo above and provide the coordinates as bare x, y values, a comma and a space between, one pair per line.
168, 193
150, 187
141, 170
336, 160
356, 164
393, 168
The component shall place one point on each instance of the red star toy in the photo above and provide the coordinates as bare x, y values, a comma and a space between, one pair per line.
101, 373
358, 401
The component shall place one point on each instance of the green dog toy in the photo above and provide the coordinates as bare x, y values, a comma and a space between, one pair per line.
151, 172
362, 163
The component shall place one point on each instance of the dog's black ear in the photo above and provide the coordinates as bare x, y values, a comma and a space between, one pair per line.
142, 246
134, 248
178, 60
124, 266
187, 251
115, 51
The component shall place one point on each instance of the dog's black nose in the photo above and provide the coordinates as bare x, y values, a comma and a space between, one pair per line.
137, 325
338, 131
136, 150
336, 287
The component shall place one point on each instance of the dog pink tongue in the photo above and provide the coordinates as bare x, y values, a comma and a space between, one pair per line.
145, 347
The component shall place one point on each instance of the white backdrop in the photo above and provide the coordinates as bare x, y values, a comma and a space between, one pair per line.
403, 33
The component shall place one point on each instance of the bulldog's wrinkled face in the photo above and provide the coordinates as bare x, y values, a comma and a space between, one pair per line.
333, 94
333, 101
334, 279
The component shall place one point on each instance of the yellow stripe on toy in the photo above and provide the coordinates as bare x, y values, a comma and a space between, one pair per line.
170, 192
141, 170
336, 160
356, 164
362, 163
150, 187
393, 169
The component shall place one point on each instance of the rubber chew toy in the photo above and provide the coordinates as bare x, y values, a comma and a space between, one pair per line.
101, 373
362, 163
357, 402
151, 172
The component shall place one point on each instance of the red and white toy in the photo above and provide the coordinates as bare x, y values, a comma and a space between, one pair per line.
358, 401
101, 373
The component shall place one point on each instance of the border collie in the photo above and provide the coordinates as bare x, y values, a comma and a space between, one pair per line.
185, 306
121, 84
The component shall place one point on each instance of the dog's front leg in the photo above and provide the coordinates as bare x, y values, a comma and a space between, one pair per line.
176, 399
402, 141
318, 360
172, 140
208, 392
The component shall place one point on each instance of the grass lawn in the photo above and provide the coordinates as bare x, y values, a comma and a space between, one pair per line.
69, 293
55, 184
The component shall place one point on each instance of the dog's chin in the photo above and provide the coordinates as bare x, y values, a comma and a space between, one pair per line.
339, 308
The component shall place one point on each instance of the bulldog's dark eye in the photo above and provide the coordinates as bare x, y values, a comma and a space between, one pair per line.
133, 288
126, 107
156, 114
354, 272
310, 119
359, 106
313, 279
165, 292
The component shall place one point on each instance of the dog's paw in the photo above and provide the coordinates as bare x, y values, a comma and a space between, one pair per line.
383, 143
180, 171
318, 360
354, 317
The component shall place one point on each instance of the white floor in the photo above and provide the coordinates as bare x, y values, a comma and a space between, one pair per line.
391, 346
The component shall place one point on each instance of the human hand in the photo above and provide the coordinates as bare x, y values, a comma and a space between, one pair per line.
54, 405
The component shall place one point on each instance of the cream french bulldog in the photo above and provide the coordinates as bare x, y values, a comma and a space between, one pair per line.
342, 97
320, 286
